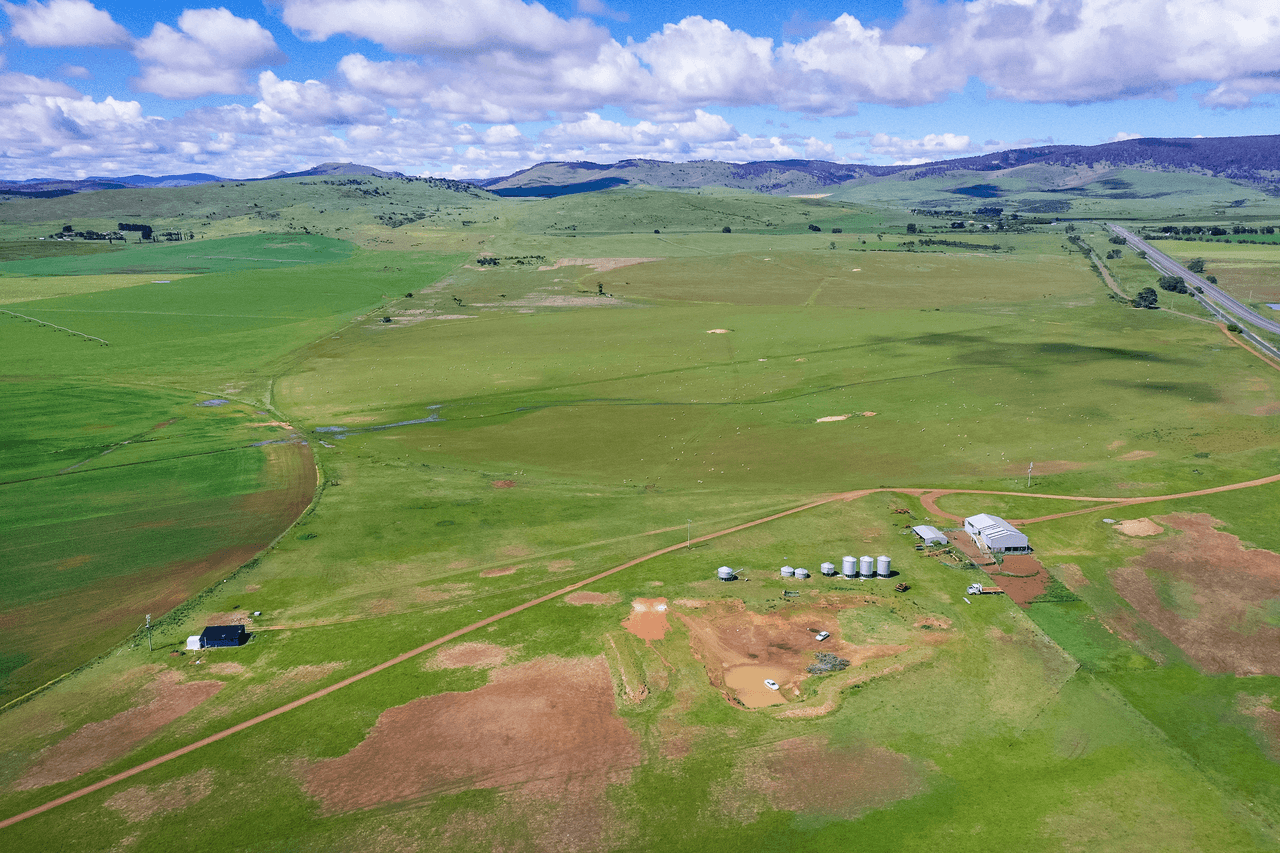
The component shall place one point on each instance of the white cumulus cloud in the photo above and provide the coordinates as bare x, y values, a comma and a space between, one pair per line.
425, 26
210, 53
65, 23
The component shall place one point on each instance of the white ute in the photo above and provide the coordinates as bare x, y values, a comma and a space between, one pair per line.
822, 636
771, 684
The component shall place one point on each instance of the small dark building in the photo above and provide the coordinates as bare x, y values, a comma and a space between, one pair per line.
223, 635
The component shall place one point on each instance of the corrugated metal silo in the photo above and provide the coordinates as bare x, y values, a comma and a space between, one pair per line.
850, 569
788, 572
828, 569
866, 567
802, 573
882, 566
725, 573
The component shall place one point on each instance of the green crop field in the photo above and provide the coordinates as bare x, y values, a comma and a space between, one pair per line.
488, 414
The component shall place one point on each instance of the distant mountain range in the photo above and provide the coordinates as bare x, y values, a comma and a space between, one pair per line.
1252, 160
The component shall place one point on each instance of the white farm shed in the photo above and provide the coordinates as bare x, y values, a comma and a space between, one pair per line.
994, 534
930, 534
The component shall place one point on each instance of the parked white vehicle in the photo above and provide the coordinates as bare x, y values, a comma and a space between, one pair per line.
771, 684
822, 636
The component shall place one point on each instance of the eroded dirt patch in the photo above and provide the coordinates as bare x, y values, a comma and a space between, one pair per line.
1139, 527
560, 565
1052, 466
547, 728
1266, 718
477, 655
141, 802
505, 570
96, 744
503, 484
1134, 455
1020, 576
1209, 595
597, 264
726, 637
648, 619
803, 775
583, 597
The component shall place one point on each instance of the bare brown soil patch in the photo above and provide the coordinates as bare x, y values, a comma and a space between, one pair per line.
1268, 409
141, 802
1072, 576
505, 570
476, 655
717, 331
560, 565
830, 418
1020, 576
727, 636
547, 729
96, 744
235, 617
1052, 466
440, 592
1117, 444
74, 562
461, 564
503, 484
648, 619
803, 775
1266, 718
1209, 595
1139, 527
252, 587
515, 551
933, 623
583, 597
597, 264
1134, 455
227, 668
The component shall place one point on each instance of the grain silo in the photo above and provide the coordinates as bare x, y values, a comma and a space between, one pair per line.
788, 572
850, 569
726, 574
882, 566
866, 567
802, 574
828, 570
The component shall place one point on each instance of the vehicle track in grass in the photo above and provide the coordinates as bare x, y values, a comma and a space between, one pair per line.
928, 497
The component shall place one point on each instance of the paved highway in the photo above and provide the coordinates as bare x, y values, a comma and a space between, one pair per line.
1168, 266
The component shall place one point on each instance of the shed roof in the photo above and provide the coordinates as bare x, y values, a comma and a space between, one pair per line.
215, 633
929, 533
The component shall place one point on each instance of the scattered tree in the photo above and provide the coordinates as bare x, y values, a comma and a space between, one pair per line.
726, 230
911, 228
813, 227
1196, 265
1173, 284
1146, 298
1118, 240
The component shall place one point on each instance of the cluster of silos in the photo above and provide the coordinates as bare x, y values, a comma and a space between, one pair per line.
789, 572
866, 567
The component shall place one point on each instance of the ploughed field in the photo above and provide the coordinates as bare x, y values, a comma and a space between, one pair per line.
510, 430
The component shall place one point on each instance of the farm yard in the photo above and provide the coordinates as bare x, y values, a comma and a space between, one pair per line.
471, 515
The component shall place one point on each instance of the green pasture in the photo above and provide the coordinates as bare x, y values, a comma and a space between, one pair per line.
547, 434
260, 251
967, 731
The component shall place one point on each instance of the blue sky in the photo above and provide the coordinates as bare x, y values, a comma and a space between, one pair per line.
467, 88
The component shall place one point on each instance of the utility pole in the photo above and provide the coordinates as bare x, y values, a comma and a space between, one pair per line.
1029, 464
149, 633
689, 544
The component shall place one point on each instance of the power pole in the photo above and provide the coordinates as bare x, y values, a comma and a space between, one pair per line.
1029, 464
149, 633
689, 544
